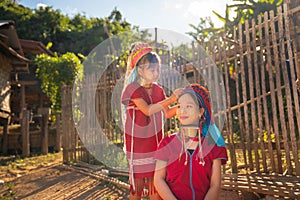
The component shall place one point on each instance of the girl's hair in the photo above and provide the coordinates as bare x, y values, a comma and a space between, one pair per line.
137, 51
201, 97
151, 57
207, 127
193, 95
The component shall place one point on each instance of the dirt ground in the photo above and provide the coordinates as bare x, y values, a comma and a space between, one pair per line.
58, 182
54, 180
51, 179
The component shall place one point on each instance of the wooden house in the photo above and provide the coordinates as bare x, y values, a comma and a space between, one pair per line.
12, 60
20, 88
26, 87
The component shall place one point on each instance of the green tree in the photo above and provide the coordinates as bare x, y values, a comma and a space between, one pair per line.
56, 71
78, 34
242, 10
204, 31
246, 9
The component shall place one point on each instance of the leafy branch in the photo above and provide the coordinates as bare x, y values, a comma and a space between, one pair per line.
55, 72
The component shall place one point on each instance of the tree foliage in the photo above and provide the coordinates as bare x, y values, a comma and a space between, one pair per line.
204, 30
246, 9
63, 34
242, 10
56, 71
78, 34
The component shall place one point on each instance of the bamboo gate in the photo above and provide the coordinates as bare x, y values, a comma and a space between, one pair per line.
259, 65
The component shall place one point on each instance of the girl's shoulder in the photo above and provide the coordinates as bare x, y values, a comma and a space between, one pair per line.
131, 91
133, 85
170, 137
132, 88
156, 86
217, 152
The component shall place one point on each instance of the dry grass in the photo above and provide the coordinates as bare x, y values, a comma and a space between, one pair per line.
14, 166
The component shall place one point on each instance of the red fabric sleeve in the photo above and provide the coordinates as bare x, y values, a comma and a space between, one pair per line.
132, 91
220, 153
163, 152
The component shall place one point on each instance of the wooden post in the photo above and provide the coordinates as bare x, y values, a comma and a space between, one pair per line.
5, 137
66, 137
44, 134
22, 102
58, 134
25, 134
64, 126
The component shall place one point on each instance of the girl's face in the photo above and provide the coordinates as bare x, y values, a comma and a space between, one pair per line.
188, 111
149, 73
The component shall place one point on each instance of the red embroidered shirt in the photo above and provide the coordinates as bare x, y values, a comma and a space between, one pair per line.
147, 130
189, 181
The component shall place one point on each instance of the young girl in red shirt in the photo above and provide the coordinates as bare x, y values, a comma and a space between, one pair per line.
188, 163
145, 103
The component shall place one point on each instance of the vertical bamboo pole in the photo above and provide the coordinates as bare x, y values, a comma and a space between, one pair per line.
271, 82
169, 77
229, 115
251, 89
237, 64
215, 70
280, 98
288, 92
244, 91
264, 91
194, 60
199, 63
258, 93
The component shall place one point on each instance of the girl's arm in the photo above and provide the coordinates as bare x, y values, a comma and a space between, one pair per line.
215, 181
159, 181
171, 111
160, 106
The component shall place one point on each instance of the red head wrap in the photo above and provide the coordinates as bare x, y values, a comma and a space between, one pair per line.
138, 51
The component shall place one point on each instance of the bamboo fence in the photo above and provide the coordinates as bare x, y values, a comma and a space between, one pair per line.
259, 66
